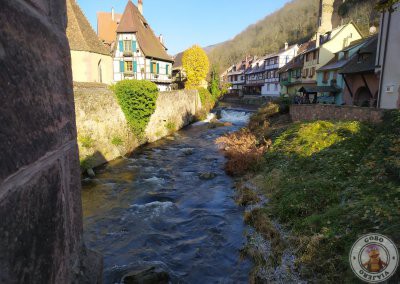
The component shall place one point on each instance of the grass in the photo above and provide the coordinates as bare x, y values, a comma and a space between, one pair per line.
117, 141
329, 183
171, 126
86, 141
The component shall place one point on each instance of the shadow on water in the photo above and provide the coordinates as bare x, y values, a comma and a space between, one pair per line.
169, 206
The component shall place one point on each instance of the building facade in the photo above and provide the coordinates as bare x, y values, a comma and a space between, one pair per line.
290, 75
388, 59
139, 54
254, 78
236, 75
329, 75
91, 60
273, 63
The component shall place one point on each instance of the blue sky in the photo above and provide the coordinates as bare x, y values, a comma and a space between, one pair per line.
187, 22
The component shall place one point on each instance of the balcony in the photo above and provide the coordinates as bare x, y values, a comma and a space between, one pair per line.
272, 80
157, 78
273, 66
128, 54
311, 63
255, 82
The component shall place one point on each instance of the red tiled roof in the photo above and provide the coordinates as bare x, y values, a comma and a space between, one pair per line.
132, 21
107, 27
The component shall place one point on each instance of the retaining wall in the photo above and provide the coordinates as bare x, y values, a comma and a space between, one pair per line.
103, 132
333, 112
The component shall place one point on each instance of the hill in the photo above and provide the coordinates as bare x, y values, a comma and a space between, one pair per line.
296, 22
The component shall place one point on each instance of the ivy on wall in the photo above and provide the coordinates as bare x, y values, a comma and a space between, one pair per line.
137, 100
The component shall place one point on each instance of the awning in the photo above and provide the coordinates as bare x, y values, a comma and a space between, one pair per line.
319, 89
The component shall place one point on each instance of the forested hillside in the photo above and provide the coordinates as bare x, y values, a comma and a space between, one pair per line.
296, 22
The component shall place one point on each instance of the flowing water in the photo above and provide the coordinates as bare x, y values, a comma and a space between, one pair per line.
170, 206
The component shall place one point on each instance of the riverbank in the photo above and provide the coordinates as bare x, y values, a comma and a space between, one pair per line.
326, 184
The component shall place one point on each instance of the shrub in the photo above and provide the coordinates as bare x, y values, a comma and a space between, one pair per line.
207, 100
138, 102
171, 126
117, 141
86, 141
243, 151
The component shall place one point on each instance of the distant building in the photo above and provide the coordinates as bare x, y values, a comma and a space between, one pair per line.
273, 63
388, 59
254, 77
331, 37
107, 24
90, 59
236, 75
290, 75
139, 53
178, 74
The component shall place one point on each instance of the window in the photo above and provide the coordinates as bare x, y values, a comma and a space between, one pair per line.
267, 87
127, 45
326, 77
128, 66
312, 72
335, 75
153, 67
276, 87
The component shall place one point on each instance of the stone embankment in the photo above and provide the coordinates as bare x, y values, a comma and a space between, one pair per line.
332, 112
103, 132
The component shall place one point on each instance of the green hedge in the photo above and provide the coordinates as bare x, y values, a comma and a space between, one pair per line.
138, 102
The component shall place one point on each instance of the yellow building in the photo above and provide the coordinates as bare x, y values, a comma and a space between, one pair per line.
327, 45
90, 59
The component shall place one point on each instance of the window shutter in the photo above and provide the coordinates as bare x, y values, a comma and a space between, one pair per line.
151, 67
134, 46
135, 66
167, 67
121, 66
121, 46
158, 68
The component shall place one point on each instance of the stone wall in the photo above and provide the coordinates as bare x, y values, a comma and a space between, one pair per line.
333, 112
40, 198
103, 132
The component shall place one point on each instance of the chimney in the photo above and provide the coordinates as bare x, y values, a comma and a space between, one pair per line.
113, 14
286, 46
140, 6
161, 38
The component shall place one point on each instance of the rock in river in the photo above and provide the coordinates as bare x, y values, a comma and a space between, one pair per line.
207, 176
148, 276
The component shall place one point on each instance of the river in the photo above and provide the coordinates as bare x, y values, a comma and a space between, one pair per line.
170, 206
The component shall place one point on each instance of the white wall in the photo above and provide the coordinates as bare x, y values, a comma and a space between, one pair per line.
389, 63
86, 67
